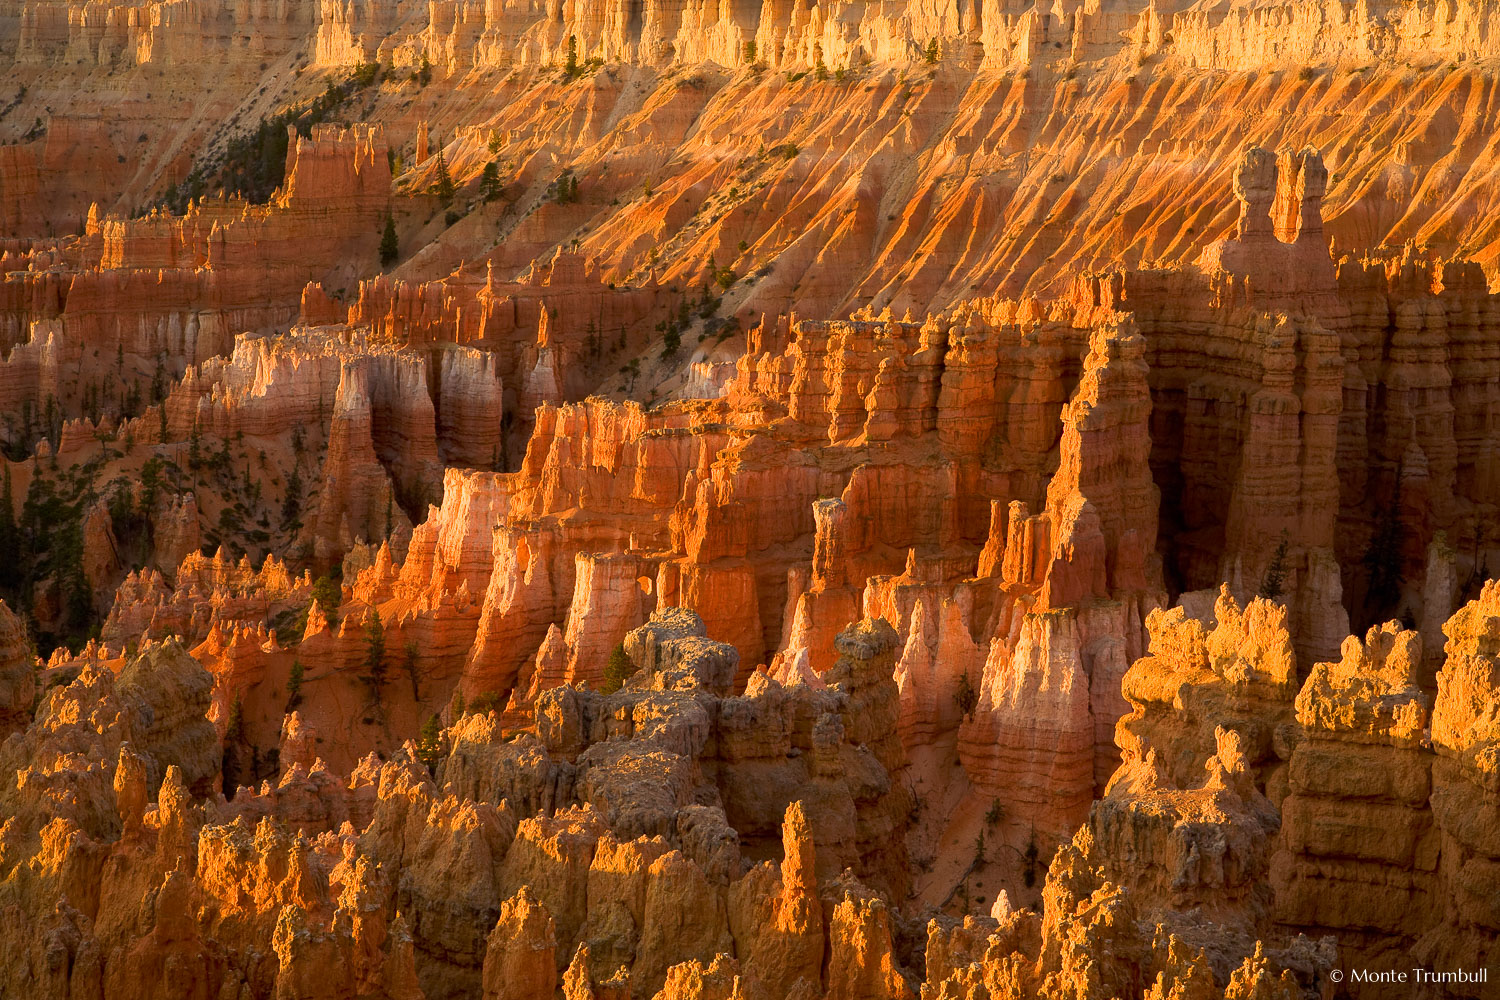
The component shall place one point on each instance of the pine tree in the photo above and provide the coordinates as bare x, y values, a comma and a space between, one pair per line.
195, 455
375, 652
390, 247
671, 341
430, 746
1383, 563
294, 685
1273, 584
327, 595
291, 507
159, 381
489, 182
617, 670
10, 537
444, 188
572, 66
236, 725
411, 650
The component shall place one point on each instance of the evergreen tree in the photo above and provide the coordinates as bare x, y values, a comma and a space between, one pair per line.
52, 420
411, 650
195, 454
159, 381
67, 547
430, 746
1273, 584
236, 726
1383, 565
294, 685
572, 66
389, 243
489, 182
10, 536
444, 188
327, 595
291, 507
375, 652
617, 670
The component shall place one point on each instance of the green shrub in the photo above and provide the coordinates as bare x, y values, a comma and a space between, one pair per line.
966, 698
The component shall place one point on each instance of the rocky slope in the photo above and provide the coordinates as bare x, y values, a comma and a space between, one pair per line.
752, 501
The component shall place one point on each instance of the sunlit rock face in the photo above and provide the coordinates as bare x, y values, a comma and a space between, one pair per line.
753, 501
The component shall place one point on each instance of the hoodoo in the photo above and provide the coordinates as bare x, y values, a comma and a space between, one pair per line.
749, 502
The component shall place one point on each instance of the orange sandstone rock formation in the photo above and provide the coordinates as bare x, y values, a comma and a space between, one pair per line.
745, 502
